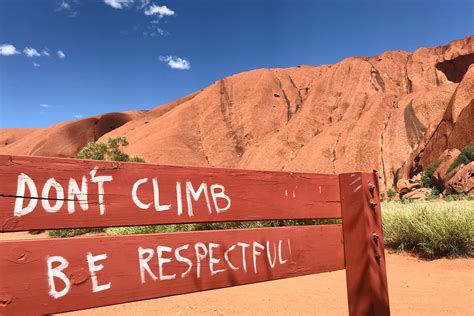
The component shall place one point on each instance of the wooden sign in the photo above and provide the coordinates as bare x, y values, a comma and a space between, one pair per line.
58, 275
46, 276
47, 193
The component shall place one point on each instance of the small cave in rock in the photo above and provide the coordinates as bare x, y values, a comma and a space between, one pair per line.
456, 68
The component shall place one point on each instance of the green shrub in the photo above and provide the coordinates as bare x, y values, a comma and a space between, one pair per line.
426, 175
136, 159
431, 230
112, 151
466, 156
391, 193
458, 197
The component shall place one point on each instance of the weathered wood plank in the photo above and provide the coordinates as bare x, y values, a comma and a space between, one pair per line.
163, 195
367, 290
254, 255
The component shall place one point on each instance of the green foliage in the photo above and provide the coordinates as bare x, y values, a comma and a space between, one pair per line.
466, 156
214, 226
112, 150
391, 193
136, 159
431, 230
93, 151
61, 233
426, 175
458, 197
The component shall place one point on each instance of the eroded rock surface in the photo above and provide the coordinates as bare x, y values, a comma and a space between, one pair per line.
462, 181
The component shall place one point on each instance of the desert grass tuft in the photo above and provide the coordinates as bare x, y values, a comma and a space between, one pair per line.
430, 229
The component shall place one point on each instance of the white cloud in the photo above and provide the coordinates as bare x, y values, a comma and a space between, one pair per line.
118, 4
36, 64
78, 116
61, 54
44, 105
161, 11
31, 52
45, 52
8, 50
67, 7
176, 62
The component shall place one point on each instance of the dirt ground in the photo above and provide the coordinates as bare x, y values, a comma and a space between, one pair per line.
416, 287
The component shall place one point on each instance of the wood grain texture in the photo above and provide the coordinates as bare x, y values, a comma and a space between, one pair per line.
254, 195
367, 289
24, 278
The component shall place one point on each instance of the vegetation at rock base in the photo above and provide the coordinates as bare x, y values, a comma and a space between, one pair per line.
466, 156
63, 233
430, 229
426, 175
391, 193
213, 226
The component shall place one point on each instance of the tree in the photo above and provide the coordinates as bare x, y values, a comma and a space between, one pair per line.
112, 150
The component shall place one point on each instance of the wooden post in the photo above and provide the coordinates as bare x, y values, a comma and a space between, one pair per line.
363, 245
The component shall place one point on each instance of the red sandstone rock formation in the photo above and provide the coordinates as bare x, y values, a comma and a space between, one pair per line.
383, 112
64, 139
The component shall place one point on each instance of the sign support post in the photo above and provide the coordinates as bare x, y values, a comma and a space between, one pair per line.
367, 290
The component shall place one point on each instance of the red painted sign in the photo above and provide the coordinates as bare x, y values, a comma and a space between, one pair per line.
45, 193
46, 276
57, 275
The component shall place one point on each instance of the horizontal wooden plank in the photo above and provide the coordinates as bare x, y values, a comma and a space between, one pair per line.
44, 193
99, 271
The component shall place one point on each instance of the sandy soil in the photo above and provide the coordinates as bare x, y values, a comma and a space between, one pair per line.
416, 287
440, 287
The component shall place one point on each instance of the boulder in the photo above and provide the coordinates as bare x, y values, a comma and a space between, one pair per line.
451, 174
405, 186
462, 181
418, 194
447, 159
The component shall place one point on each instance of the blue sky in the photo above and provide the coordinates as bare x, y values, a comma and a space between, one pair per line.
118, 53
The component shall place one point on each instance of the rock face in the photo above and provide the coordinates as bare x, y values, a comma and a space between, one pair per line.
382, 112
64, 139
11, 135
456, 129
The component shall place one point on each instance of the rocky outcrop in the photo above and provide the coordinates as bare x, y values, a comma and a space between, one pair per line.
363, 113
406, 186
462, 181
65, 139
446, 160
418, 194
456, 129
